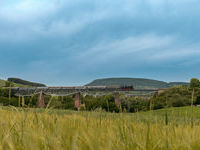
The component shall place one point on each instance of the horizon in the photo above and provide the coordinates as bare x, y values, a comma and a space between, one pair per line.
73, 42
100, 79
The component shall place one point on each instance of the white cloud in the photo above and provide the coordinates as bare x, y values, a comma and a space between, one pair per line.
26, 10
145, 31
26, 19
175, 53
128, 46
31, 19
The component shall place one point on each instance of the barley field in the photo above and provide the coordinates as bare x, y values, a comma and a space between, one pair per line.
46, 129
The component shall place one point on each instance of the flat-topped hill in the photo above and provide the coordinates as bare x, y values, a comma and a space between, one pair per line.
136, 82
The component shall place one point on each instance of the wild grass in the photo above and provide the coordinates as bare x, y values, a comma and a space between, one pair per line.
32, 129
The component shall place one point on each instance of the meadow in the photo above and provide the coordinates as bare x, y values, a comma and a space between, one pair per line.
32, 129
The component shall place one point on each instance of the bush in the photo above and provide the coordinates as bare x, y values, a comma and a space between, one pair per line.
91, 103
4, 92
174, 97
6, 101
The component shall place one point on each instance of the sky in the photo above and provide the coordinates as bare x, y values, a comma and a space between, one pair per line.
72, 42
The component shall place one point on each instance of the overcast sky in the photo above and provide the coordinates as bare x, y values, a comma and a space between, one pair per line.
71, 42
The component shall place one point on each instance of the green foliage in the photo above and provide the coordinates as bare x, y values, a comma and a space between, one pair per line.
4, 92
82, 108
177, 96
24, 82
9, 84
5, 101
139, 104
194, 83
174, 97
4, 83
106, 103
134, 104
67, 102
92, 103
136, 82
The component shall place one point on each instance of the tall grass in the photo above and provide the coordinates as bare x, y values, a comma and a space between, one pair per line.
32, 129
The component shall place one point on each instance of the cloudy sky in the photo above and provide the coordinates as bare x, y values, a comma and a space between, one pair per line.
71, 42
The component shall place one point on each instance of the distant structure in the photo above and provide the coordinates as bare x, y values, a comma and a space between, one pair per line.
77, 91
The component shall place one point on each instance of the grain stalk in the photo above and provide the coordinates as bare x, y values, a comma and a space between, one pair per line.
166, 123
19, 100
9, 94
192, 115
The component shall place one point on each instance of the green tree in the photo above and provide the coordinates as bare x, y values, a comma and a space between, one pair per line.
194, 83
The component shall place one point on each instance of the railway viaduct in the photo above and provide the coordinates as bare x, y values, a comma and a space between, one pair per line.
22, 92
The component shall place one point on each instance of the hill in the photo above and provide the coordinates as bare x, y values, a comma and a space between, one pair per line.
26, 83
3, 83
136, 82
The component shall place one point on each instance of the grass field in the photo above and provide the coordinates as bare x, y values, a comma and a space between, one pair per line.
32, 129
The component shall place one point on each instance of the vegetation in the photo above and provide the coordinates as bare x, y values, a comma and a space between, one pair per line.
194, 83
159, 122
4, 83
33, 129
177, 96
24, 82
136, 82
106, 103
